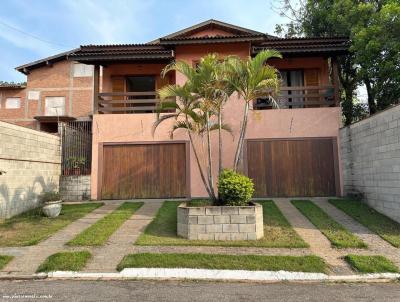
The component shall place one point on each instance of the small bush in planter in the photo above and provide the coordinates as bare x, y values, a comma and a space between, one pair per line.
234, 189
49, 197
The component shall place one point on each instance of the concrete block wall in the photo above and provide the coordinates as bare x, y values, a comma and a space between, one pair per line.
370, 153
75, 187
31, 160
220, 223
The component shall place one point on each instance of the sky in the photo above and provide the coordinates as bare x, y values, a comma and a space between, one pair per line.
34, 29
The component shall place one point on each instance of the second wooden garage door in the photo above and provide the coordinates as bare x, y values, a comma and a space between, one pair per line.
288, 168
144, 171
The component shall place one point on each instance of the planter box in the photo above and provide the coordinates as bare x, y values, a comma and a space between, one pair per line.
220, 222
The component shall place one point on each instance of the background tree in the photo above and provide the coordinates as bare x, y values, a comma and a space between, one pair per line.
372, 26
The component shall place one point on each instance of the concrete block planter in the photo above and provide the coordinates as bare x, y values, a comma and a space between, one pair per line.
220, 222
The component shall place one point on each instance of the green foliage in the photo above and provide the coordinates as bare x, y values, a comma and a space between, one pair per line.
65, 261
385, 227
235, 262
198, 103
278, 233
98, 233
32, 227
75, 162
234, 189
371, 264
335, 232
49, 196
4, 259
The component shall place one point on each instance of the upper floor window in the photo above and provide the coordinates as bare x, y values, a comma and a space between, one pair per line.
55, 105
83, 70
13, 103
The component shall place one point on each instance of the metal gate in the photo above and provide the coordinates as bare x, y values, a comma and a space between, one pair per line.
76, 152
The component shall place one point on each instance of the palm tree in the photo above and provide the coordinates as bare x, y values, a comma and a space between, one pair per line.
251, 79
198, 102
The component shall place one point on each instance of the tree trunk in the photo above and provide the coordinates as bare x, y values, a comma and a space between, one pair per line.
239, 147
371, 97
209, 152
219, 141
198, 163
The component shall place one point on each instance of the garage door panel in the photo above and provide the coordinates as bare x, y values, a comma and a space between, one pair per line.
144, 171
287, 168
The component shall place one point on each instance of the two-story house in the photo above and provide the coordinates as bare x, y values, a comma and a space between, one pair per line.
290, 151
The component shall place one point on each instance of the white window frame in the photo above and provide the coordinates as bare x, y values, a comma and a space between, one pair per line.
54, 109
16, 105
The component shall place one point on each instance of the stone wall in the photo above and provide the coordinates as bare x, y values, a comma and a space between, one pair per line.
75, 187
31, 161
220, 223
370, 152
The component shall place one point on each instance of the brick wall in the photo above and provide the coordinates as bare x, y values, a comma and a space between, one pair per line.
55, 80
370, 152
31, 160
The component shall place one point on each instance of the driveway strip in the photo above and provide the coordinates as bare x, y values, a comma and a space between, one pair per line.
319, 244
107, 257
376, 245
33, 256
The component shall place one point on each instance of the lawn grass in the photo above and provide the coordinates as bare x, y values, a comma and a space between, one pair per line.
65, 261
335, 232
98, 233
277, 230
382, 225
4, 259
371, 264
32, 227
232, 262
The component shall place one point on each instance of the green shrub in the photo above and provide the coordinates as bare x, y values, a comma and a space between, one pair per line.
234, 189
49, 196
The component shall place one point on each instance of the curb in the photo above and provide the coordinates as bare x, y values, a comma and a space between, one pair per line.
205, 274
39, 276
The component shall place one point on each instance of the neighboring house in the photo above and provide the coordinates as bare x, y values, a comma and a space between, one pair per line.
56, 90
291, 151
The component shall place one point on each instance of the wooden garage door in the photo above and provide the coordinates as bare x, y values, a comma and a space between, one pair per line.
287, 168
144, 171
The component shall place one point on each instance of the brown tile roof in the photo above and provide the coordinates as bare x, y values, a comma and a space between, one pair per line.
123, 52
305, 45
42, 62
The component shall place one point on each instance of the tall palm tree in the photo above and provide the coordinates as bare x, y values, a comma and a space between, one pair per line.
199, 100
251, 79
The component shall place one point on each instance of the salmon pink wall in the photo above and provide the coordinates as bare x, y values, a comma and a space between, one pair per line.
281, 123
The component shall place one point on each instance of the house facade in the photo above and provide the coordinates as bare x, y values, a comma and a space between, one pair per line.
290, 151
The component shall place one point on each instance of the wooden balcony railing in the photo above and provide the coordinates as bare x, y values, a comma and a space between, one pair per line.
289, 97
128, 102
301, 97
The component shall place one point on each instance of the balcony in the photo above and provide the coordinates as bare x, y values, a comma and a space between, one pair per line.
128, 102
301, 97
